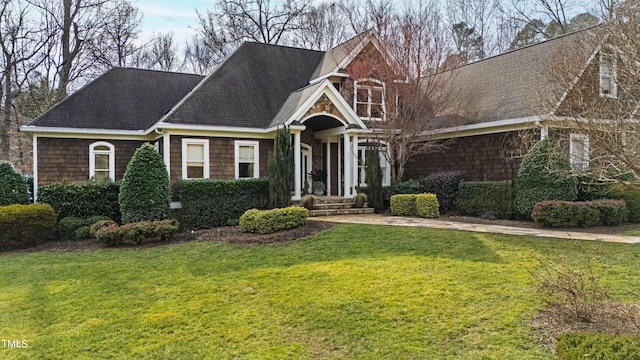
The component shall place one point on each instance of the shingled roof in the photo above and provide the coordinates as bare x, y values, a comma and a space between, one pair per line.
249, 88
120, 99
512, 85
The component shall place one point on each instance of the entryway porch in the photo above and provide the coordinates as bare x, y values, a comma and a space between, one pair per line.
335, 206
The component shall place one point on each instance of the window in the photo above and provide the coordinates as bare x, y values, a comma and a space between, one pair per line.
102, 161
195, 159
368, 99
247, 161
579, 151
608, 74
361, 176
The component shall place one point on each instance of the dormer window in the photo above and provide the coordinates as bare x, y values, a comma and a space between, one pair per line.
368, 99
608, 74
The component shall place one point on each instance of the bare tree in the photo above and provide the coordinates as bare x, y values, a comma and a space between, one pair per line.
209, 46
115, 44
73, 26
604, 104
21, 41
265, 21
162, 53
476, 19
322, 28
370, 14
398, 91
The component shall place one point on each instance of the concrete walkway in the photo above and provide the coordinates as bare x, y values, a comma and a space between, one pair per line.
376, 219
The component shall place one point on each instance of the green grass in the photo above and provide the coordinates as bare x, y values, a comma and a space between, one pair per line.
353, 292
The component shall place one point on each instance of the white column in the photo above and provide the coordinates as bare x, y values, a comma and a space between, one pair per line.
166, 151
354, 161
339, 172
297, 188
347, 166
328, 179
35, 167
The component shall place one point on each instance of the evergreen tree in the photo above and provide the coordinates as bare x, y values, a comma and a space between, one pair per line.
145, 190
374, 178
281, 170
13, 186
545, 174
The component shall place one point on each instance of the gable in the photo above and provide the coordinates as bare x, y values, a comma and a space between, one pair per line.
249, 88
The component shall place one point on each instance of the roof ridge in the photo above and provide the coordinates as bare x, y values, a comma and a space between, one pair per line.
278, 45
154, 70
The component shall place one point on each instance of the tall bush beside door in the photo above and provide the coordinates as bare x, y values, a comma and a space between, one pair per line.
145, 190
374, 179
281, 170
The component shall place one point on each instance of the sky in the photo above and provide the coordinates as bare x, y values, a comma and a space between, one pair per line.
179, 16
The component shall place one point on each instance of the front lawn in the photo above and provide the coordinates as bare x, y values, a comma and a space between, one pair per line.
355, 291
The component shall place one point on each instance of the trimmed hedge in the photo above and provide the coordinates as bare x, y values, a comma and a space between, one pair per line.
26, 224
82, 200
631, 197
269, 221
13, 186
427, 206
412, 186
403, 204
571, 346
557, 213
212, 203
478, 198
145, 189
109, 233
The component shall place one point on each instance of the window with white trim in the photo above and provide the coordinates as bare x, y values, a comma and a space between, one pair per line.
102, 161
368, 99
579, 151
195, 158
361, 176
247, 159
608, 74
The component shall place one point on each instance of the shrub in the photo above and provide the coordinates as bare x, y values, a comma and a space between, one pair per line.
269, 221
403, 204
93, 228
13, 186
427, 206
109, 233
82, 233
212, 203
445, 185
374, 179
556, 213
82, 200
145, 190
413, 186
26, 224
631, 197
544, 174
281, 170
571, 346
67, 227
612, 212
477, 198
579, 286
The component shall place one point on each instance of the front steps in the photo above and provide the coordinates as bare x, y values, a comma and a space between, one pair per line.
335, 205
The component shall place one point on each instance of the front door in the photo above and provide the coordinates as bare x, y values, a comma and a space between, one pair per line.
305, 168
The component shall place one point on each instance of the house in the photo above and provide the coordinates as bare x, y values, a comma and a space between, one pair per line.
220, 126
223, 125
514, 99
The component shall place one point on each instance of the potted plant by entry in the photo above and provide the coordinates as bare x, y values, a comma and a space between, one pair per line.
359, 200
308, 200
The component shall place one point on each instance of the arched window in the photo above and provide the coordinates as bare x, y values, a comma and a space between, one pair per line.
102, 161
368, 99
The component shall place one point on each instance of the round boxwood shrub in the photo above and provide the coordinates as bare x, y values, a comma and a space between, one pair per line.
544, 174
13, 186
145, 190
